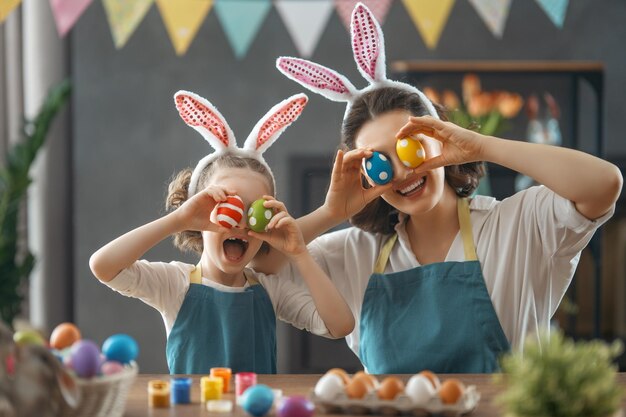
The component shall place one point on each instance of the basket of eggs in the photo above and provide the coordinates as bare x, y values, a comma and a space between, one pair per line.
423, 394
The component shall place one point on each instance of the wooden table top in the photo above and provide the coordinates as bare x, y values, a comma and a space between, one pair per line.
137, 404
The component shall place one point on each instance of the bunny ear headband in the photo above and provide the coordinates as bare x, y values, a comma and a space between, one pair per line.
368, 49
200, 114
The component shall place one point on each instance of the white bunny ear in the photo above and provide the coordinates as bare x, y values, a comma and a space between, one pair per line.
200, 114
317, 78
368, 44
275, 121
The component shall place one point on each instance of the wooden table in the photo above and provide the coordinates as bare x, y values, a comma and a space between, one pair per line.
137, 404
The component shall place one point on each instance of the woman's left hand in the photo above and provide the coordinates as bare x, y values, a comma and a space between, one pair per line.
282, 231
458, 145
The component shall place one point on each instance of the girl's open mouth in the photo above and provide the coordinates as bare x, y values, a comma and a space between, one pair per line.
413, 188
235, 248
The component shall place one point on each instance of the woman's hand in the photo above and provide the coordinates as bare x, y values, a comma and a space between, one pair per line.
282, 231
195, 213
458, 145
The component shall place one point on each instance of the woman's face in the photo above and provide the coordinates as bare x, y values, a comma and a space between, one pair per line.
232, 250
410, 193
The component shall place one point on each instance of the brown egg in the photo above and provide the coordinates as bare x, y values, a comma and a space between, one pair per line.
64, 335
342, 374
431, 377
358, 387
371, 378
390, 388
451, 390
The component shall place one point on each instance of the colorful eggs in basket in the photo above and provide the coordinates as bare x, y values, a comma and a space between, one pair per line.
378, 168
410, 152
230, 212
296, 406
257, 400
259, 216
329, 386
64, 336
121, 348
85, 357
111, 368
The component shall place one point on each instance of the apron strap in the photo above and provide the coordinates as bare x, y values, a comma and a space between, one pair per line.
466, 234
195, 277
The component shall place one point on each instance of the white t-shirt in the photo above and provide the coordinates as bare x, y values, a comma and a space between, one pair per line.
164, 285
528, 246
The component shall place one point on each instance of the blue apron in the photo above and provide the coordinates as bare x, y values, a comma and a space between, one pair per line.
223, 329
437, 317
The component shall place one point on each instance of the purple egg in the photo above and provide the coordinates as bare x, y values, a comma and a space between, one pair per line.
111, 367
296, 406
85, 358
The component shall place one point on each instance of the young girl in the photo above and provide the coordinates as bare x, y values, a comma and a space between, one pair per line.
436, 280
220, 313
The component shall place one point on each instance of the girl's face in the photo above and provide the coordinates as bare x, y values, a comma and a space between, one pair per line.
410, 193
232, 250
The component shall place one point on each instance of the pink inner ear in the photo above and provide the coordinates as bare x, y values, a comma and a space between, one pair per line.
283, 117
313, 75
194, 113
365, 41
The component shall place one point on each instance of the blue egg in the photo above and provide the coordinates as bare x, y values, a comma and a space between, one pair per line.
257, 400
121, 348
378, 168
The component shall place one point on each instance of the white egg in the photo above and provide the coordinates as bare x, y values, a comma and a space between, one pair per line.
420, 390
328, 387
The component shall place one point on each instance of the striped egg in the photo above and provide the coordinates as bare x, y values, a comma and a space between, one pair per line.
230, 212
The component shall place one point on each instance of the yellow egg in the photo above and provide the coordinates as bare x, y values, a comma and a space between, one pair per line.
410, 151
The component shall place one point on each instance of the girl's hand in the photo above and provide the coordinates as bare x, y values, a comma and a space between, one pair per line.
346, 195
282, 231
459, 146
195, 213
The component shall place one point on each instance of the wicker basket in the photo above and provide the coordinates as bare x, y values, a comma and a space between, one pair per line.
103, 396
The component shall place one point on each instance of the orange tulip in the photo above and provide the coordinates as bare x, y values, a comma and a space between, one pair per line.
471, 87
509, 104
480, 104
450, 100
432, 95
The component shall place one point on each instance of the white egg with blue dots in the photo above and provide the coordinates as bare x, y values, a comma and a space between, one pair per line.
378, 168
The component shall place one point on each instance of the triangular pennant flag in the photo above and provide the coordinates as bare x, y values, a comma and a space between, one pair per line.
182, 19
493, 13
241, 20
6, 7
378, 7
555, 9
67, 12
305, 21
124, 16
430, 17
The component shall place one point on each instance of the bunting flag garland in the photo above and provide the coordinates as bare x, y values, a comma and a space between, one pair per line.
380, 8
67, 12
429, 17
124, 16
305, 21
494, 13
555, 9
241, 20
6, 7
182, 19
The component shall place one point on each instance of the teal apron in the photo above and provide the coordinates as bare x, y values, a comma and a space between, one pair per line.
437, 317
223, 329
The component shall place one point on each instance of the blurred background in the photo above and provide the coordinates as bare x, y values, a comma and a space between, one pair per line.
543, 71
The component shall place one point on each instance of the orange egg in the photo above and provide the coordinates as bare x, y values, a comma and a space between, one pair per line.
451, 390
390, 388
369, 377
431, 377
64, 335
358, 387
342, 374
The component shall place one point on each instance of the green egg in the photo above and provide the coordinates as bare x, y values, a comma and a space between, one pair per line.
259, 216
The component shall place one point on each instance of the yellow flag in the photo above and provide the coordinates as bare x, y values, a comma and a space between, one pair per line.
183, 19
429, 16
6, 7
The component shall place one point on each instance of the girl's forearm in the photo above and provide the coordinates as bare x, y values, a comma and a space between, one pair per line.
111, 259
330, 305
591, 183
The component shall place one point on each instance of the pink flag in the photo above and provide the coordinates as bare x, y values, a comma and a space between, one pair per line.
67, 12
378, 7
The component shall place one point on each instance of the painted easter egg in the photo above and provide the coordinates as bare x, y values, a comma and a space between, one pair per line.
410, 151
257, 400
259, 216
85, 357
230, 212
378, 168
28, 337
111, 368
121, 348
64, 335
295, 406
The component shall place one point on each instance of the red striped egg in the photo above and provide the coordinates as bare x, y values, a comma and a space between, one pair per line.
230, 212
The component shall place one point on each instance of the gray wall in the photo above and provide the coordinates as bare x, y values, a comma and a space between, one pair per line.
128, 139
